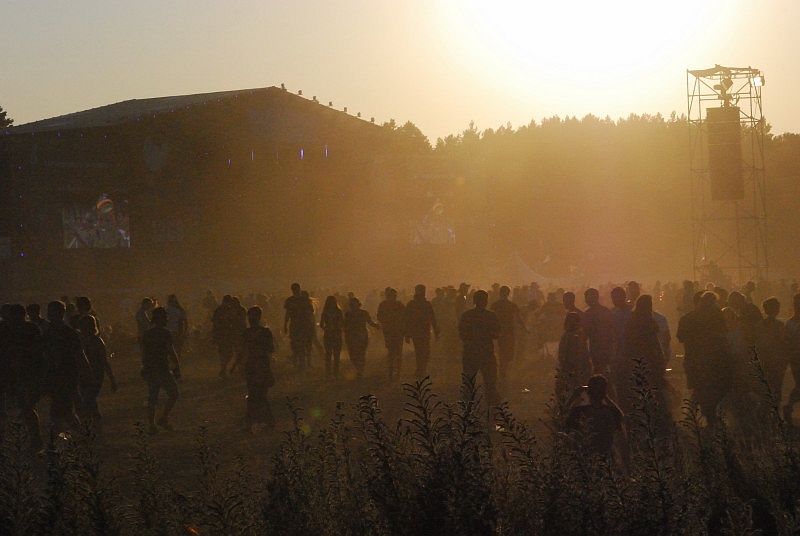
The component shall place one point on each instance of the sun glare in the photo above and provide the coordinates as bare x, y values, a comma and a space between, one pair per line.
595, 44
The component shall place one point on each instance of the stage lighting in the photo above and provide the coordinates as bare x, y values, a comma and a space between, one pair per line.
724, 85
757, 80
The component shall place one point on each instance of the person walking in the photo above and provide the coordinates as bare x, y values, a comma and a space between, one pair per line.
160, 369
419, 322
478, 329
257, 346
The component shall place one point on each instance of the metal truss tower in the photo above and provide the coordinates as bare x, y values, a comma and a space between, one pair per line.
729, 217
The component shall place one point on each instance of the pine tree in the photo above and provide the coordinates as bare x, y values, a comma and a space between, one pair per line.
4, 120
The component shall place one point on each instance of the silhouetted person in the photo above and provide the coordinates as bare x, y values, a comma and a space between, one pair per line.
21, 363
462, 299
508, 315
745, 391
664, 335
478, 329
310, 323
391, 317
770, 347
210, 304
621, 313
574, 366
257, 348
550, 319
420, 320
749, 317
65, 364
600, 419
568, 300
159, 369
177, 323
687, 295
83, 307
35, 316
95, 350
356, 337
793, 355
142, 317
642, 344
332, 324
296, 326
707, 360
598, 328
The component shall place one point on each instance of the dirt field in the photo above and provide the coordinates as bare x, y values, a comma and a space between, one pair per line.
218, 405
209, 401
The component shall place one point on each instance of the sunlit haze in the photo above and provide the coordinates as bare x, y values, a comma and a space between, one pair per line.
439, 64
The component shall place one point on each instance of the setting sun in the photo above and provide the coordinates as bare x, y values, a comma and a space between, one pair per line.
582, 46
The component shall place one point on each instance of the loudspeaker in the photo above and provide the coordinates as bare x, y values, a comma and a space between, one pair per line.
725, 153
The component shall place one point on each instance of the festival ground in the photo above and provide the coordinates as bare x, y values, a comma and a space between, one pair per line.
218, 405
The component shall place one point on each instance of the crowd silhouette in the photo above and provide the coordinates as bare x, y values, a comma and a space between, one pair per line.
735, 353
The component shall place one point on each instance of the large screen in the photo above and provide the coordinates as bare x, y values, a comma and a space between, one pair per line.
433, 227
104, 223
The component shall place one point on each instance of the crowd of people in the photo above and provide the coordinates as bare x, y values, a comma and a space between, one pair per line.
615, 339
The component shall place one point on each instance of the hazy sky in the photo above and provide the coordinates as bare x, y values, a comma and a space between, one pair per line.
437, 63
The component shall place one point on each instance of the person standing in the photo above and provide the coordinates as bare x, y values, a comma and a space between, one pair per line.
478, 329
257, 348
770, 346
95, 349
419, 321
508, 314
142, 317
356, 320
160, 369
391, 317
568, 300
621, 314
708, 363
21, 360
792, 338
642, 344
65, 364
298, 324
177, 323
598, 328
332, 324
574, 367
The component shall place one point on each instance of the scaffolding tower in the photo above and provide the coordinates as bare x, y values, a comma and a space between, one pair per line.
729, 217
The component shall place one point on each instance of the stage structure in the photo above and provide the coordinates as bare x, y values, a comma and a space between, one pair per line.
727, 130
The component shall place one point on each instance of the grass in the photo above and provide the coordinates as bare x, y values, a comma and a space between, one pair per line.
413, 461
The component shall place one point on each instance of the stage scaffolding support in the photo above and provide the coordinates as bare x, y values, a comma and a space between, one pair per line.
729, 230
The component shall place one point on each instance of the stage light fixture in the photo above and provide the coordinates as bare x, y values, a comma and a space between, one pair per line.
757, 80
724, 85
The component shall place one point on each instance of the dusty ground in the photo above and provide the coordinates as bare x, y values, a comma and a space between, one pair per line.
218, 405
